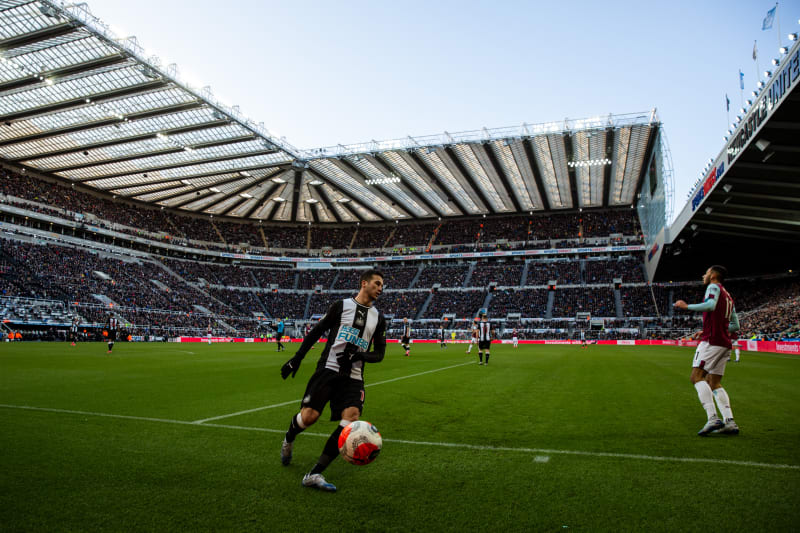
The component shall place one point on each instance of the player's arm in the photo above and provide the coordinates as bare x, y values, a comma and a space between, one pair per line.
331, 318
734, 323
378, 343
709, 301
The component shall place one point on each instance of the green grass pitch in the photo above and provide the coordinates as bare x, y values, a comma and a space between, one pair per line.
545, 438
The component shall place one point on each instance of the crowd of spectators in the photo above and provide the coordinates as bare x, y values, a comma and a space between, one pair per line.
563, 272
398, 277
284, 278
372, 236
402, 304
462, 303
504, 274
413, 235
334, 237
447, 275
599, 301
530, 303
309, 279
459, 232
637, 301
628, 269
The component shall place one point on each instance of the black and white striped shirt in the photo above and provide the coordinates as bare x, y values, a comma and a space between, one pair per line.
352, 328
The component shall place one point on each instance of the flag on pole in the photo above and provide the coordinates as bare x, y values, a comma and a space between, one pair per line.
741, 79
767, 22
755, 50
727, 103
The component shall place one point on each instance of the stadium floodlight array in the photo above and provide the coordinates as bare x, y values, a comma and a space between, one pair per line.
590, 163
382, 181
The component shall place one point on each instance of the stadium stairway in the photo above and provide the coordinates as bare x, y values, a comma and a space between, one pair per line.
524, 277
255, 294
424, 306
617, 301
333, 282
416, 276
486, 301
551, 297
308, 304
468, 278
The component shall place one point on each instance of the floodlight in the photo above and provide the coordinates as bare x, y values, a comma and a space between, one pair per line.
767, 73
776, 62
762, 144
727, 187
783, 50
213, 189
279, 199
792, 36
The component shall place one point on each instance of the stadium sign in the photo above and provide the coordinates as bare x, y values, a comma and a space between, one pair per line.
460, 255
779, 86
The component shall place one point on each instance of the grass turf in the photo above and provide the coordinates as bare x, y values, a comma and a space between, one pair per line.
465, 447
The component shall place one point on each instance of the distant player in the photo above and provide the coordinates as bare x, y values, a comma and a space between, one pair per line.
208, 334
484, 339
279, 329
442, 338
73, 330
453, 336
735, 344
473, 338
111, 328
714, 351
514, 338
352, 326
406, 340
583, 339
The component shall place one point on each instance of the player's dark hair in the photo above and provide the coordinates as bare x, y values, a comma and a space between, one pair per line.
721, 272
368, 275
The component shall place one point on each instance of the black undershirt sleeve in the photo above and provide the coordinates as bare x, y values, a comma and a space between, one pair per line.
331, 319
378, 343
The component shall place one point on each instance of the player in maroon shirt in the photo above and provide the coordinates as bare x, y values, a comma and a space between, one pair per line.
714, 351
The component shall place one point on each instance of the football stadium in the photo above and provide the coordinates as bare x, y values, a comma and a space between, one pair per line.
162, 255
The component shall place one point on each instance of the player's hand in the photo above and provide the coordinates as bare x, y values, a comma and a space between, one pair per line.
348, 357
697, 335
290, 367
680, 304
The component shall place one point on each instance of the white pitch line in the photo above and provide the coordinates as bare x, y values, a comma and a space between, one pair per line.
536, 451
255, 409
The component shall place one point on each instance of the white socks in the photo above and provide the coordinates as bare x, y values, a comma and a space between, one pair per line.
706, 398
724, 404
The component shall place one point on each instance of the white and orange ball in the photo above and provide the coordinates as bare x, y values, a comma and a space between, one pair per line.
360, 443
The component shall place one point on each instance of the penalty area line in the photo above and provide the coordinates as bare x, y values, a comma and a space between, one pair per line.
537, 452
256, 409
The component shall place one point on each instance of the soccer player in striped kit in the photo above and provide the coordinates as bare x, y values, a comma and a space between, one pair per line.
406, 340
353, 325
111, 328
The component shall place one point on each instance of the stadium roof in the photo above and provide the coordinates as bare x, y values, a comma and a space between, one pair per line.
80, 104
745, 210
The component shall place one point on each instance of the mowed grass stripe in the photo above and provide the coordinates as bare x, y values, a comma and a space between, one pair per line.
256, 409
423, 443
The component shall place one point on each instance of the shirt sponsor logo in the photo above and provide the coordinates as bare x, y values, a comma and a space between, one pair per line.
351, 335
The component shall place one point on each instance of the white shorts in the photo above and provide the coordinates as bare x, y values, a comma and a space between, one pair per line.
710, 358
514, 340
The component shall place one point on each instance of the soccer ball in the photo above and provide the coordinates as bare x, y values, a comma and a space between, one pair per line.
360, 443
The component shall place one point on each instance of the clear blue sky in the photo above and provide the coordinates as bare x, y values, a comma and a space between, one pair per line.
324, 73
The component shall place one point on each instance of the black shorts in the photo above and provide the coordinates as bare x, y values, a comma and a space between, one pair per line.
484, 345
405, 340
112, 335
329, 386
